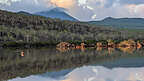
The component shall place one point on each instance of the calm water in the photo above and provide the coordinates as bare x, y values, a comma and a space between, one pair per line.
49, 64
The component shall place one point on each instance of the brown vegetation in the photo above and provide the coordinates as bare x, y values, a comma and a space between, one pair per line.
63, 45
99, 44
126, 45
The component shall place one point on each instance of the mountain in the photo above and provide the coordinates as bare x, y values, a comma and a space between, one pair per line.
121, 22
24, 13
59, 13
41, 31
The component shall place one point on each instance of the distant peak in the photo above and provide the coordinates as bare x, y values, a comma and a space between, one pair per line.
59, 9
109, 18
22, 12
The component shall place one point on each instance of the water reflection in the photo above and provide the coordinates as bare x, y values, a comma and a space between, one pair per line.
48, 64
128, 49
110, 50
94, 73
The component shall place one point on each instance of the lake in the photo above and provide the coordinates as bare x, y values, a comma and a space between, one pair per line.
51, 64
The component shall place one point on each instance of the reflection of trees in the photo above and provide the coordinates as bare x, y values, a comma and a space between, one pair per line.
127, 43
99, 48
127, 49
62, 49
110, 50
38, 61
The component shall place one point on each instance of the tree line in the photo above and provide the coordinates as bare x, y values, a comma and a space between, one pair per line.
24, 29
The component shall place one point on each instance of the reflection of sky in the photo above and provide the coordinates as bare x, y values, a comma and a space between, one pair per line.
34, 78
95, 73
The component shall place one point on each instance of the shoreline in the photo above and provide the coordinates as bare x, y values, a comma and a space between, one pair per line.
25, 45
76, 44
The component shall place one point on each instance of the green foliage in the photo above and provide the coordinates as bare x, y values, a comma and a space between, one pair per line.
31, 30
134, 23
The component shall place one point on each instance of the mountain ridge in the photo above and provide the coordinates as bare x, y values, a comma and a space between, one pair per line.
24, 13
59, 13
120, 22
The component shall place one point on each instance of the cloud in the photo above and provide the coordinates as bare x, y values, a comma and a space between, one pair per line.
8, 2
77, 8
84, 10
82, 2
131, 1
30, 6
36, 2
62, 3
136, 10
94, 16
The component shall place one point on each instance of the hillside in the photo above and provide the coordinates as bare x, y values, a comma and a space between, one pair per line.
59, 13
121, 22
24, 13
18, 28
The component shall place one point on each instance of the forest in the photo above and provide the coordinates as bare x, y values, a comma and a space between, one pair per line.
31, 30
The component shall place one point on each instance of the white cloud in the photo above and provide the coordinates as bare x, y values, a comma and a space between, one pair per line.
84, 10
15, 0
89, 7
135, 10
82, 2
36, 2
94, 16
5, 2
8, 2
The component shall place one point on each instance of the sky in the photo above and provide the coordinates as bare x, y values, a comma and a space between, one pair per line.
84, 10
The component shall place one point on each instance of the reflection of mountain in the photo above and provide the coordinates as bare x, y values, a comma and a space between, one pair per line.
39, 61
56, 74
94, 73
